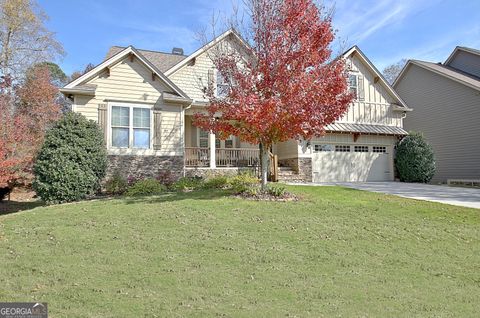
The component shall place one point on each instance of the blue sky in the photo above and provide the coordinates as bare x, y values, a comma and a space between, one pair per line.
386, 30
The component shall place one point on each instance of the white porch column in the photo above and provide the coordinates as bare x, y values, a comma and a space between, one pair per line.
211, 146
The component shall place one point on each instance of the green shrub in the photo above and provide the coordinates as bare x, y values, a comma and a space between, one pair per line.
71, 162
117, 184
276, 191
188, 184
146, 187
243, 182
218, 182
251, 192
415, 161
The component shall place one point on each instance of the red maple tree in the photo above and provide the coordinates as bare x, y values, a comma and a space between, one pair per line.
16, 151
288, 87
25, 115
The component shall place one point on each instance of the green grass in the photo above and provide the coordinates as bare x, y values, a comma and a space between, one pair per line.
337, 253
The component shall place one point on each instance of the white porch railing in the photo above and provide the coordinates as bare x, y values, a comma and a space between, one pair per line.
197, 157
237, 157
224, 157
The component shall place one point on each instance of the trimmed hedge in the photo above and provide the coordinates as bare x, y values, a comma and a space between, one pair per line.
72, 160
415, 160
146, 187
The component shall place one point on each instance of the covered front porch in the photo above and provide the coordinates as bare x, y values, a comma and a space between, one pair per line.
204, 150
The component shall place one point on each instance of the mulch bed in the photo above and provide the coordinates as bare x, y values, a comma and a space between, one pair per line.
286, 197
20, 199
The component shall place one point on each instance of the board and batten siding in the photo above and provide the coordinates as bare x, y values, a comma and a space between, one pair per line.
448, 113
131, 82
466, 62
376, 107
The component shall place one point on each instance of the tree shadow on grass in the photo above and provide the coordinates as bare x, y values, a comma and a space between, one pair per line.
178, 196
8, 207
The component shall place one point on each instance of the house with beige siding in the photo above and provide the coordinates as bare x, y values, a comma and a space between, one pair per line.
145, 101
446, 99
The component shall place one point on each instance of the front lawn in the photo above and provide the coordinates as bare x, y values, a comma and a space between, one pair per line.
338, 252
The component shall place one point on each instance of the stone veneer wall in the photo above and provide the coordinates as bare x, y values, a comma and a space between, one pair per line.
305, 169
302, 166
144, 166
207, 172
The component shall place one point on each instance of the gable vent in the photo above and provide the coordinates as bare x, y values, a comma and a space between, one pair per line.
177, 51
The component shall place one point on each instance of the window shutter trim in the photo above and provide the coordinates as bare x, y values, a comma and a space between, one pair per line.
361, 91
210, 79
157, 129
102, 119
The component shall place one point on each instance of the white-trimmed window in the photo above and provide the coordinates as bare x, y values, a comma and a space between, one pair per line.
379, 149
131, 126
222, 87
355, 85
322, 148
203, 138
227, 143
360, 148
342, 148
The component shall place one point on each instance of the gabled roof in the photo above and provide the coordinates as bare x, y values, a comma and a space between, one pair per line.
163, 61
230, 32
443, 70
461, 48
373, 69
118, 57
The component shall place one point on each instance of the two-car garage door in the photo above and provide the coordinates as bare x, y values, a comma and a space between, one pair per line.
351, 162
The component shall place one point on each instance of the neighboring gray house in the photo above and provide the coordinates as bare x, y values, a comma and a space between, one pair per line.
446, 100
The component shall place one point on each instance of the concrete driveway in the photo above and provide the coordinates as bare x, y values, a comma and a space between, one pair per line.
467, 197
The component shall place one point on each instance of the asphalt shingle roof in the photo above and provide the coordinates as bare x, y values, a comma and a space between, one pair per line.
161, 60
450, 72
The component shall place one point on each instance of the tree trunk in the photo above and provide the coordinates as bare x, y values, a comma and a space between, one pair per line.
264, 160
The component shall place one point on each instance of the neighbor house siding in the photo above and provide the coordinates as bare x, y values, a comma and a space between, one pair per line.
448, 113
466, 62
131, 82
376, 107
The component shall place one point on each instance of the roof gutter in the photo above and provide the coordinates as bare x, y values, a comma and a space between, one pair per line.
399, 108
77, 91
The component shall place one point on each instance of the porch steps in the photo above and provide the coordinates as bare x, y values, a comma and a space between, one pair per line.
287, 174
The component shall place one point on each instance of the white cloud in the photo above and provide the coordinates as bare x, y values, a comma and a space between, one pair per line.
357, 21
437, 49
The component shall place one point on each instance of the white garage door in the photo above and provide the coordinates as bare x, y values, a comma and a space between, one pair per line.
351, 163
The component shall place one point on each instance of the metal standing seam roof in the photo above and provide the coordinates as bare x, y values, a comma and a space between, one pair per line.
366, 129
162, 61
